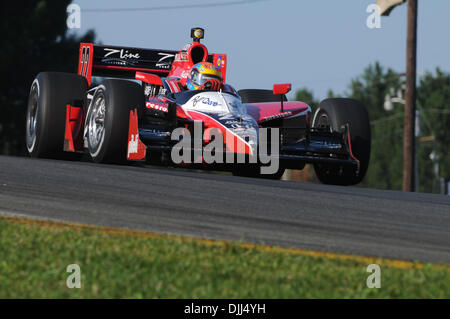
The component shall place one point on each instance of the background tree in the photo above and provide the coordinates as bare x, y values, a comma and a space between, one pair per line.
307, 96
433, 96
34, 39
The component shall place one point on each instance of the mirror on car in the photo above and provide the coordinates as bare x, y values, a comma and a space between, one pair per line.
281, 88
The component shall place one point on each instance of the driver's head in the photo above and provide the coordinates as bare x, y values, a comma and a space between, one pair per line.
201, 73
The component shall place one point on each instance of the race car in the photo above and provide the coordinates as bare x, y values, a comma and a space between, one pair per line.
131, 104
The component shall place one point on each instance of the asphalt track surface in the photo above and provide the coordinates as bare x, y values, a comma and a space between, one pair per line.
348, 220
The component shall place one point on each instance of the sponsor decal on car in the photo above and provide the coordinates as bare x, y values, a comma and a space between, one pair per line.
149, 89
181, 57
155, 106
204, 100
155, 132
133, 144
184, 74
220, 62
162, 63
130, 57
123, 54
277, 116
238, 124
136, 150
120, 57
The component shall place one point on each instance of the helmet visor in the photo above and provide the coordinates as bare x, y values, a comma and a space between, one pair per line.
199, 79
205, 77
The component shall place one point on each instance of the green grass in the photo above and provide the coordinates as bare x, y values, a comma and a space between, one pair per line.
120, 264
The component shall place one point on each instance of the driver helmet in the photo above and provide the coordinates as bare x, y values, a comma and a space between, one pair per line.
200, 73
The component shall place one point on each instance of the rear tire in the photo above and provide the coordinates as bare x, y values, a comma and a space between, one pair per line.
332, 114
259, 96
46, 113
108, 117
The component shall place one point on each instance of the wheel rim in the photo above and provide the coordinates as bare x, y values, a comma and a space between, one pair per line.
32, 114
323, 122
96, 124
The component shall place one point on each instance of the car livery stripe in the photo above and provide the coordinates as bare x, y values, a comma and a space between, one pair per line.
85, 61
212, 122
261, 111
136, 150
173, 86
113, 67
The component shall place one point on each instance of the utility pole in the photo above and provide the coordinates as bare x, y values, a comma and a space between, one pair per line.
410, 98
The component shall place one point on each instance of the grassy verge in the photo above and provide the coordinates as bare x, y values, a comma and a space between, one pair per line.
129, 264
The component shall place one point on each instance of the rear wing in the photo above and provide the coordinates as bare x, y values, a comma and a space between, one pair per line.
124, 62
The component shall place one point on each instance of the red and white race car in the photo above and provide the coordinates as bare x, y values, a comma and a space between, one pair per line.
149, 115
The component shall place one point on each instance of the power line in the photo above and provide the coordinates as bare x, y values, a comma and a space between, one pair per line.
191, 6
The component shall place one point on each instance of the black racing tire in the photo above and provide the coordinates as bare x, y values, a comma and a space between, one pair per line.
255, 172
334, 113
259, 96
46, 113
107, 130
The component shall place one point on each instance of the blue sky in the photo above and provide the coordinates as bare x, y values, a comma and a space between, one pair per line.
319, 44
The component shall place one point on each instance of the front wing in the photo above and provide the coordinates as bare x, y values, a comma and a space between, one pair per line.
319, 146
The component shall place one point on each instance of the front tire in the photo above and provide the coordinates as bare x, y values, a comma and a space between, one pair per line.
46, 112
107, 119
331, 115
